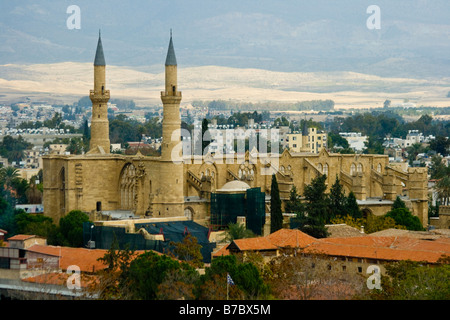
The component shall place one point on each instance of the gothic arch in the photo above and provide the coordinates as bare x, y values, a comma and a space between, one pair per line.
189, 213
128, 187
353, 169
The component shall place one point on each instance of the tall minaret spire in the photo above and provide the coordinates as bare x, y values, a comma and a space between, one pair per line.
100, 142
169, 200
171, 99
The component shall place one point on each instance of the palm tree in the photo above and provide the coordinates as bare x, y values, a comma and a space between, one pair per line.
8, 176
443, 189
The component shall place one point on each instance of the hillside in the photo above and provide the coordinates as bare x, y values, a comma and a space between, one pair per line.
68, 81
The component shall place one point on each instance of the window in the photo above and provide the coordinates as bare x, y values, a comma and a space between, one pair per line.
352, 169
359, 269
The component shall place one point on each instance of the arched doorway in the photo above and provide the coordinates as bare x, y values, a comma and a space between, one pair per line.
189, 213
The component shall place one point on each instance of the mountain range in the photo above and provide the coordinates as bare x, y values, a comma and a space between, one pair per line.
285, 40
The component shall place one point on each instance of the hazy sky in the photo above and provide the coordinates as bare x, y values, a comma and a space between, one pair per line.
283, 35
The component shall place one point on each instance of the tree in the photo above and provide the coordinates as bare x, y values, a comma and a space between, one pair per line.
411, 280
294, 204
146, 272
398, 203
76, 146
112, 284
39, 225
238, 231
351, 206
179, 284
443, 189
13, 149
403, 217
276, 216
437, 168
71, 227
317, 202
337, 203
189, 251
441, 145
317, 210
245, 275
8, 176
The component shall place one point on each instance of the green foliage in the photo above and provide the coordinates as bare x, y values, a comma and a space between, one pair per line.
351, 206
189, 251
123, 129
441, 145
371, 223
276, 216
71, 228
294, 204
398, 203
403, 217
146, 273
443, 189
245, 275
409, 280
317, 202
13, 148
437, 168
238, 231
336, 140
337, 200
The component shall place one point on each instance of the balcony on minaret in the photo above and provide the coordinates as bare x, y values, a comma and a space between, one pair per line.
99, 96
171, 94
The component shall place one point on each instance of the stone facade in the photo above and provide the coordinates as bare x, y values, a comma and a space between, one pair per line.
175, 185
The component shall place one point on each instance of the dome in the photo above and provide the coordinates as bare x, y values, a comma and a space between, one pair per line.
234, 186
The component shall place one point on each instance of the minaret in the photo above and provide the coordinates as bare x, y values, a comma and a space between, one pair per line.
99, 96
305, 143
169, 201
171, 99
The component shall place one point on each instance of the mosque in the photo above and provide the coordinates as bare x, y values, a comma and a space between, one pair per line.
171, 185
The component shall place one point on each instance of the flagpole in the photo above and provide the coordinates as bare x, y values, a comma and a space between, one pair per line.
228, 285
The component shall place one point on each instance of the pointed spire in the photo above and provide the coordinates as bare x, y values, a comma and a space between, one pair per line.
99, 56
171, 60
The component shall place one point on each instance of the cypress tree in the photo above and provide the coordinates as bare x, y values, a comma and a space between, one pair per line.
337, 200
276, 216
352, 207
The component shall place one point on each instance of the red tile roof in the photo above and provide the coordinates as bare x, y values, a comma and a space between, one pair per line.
85, 259
383, 248
293, 238
21, 237
259, 243
368, 247
60, 279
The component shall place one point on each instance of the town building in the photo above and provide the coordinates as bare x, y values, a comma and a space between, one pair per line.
177, 184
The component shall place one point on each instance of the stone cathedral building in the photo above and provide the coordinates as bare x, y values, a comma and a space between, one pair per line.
163, 186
